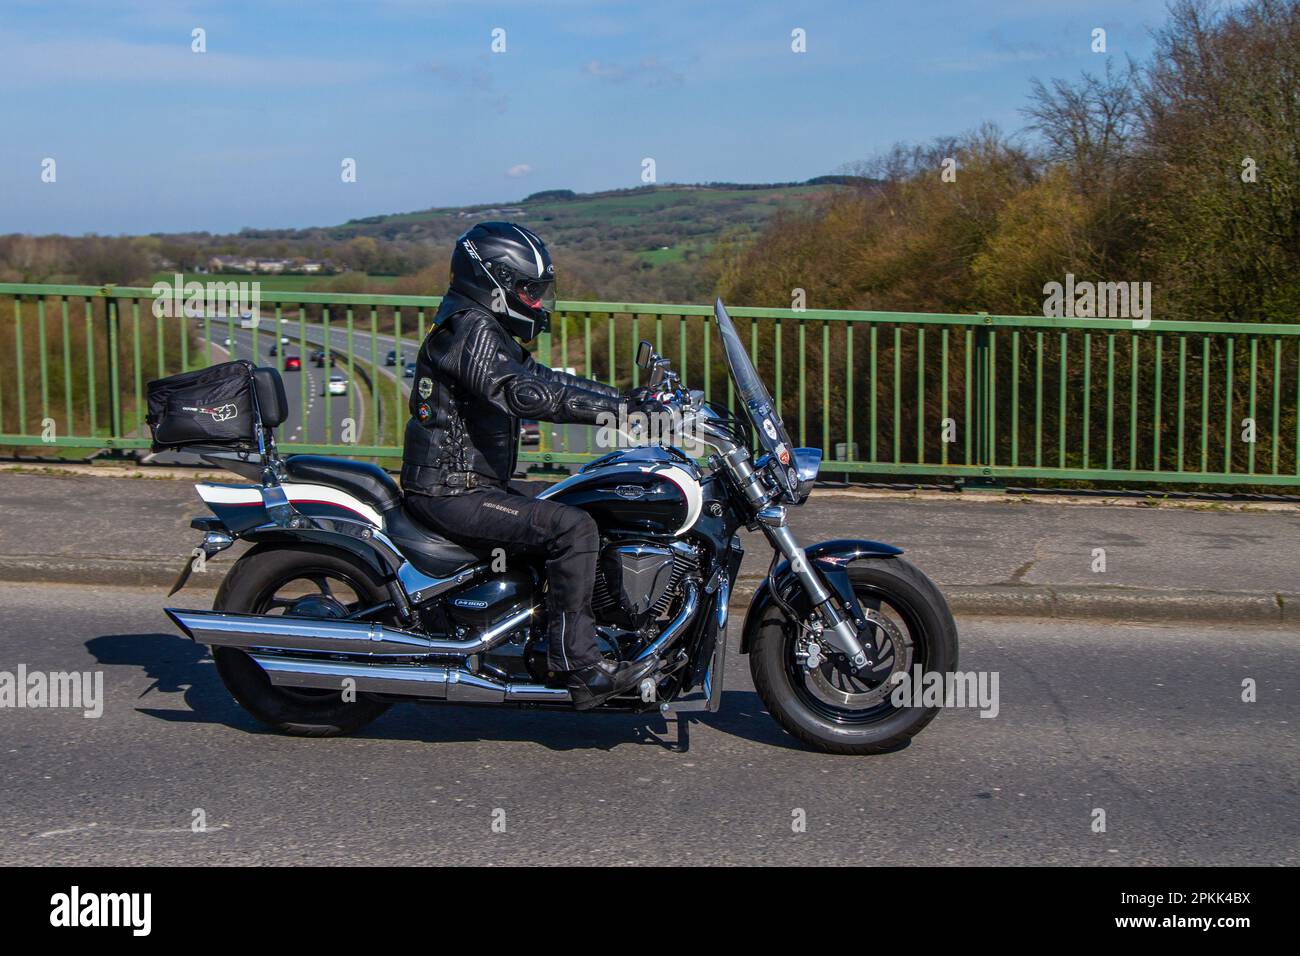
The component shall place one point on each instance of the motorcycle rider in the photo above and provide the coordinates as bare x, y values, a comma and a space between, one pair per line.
474, 381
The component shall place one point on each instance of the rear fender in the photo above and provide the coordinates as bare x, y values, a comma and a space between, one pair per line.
832, 559
244, 507
370, 552
279, 515
239, 508
314, 514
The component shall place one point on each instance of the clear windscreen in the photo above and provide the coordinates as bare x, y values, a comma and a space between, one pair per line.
758, 403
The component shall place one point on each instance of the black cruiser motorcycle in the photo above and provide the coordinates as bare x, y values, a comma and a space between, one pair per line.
345, 605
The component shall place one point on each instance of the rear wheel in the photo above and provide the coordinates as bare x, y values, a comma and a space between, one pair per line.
832, 709
297, 581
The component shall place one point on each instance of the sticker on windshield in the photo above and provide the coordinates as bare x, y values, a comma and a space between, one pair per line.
426, 387
770, 429
782, 454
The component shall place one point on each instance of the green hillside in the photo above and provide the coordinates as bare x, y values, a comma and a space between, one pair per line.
631, 212
647, 243
653, 243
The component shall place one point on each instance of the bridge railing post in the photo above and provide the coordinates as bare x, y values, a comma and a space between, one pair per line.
982, 408
114, 391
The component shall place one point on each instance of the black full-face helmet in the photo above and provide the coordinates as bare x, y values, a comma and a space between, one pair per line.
506, 269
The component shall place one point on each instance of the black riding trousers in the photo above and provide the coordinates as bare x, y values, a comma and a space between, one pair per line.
566, 536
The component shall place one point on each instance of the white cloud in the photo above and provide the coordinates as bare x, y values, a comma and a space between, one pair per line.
650, 70
519, 169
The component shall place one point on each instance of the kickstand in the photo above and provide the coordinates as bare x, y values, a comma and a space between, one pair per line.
672, 721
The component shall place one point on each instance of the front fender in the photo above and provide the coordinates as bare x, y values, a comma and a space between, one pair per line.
832, 559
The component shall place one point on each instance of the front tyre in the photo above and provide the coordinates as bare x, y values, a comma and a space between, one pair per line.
303, 581
829, 708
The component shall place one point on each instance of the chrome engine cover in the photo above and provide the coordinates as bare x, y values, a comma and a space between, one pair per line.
637, 575
635, 582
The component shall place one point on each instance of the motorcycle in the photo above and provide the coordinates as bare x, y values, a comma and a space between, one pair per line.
345, 605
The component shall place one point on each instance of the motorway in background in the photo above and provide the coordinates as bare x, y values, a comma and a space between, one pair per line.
320, 419
323, 421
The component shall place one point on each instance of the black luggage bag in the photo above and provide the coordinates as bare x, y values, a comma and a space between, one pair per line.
223, 405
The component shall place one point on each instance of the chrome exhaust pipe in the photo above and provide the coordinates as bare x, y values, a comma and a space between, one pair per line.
405, 680
675, 626
380, 644
359, 638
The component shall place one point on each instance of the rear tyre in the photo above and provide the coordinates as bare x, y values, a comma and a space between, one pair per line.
269, 580
836, 712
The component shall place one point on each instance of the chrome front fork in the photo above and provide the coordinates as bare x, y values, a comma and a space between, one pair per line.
839, 632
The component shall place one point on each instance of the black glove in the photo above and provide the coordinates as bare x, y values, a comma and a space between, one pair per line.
648, 402
643, 398
637, 397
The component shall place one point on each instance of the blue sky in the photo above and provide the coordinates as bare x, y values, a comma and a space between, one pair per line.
149, 136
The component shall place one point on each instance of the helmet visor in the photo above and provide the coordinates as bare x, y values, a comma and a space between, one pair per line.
536, 293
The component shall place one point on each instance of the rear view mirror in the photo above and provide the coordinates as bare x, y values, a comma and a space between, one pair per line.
645, 354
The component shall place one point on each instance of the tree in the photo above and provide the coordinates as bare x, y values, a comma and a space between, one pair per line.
361, 253
1088, 126
32, 258
1220, 160
100, 259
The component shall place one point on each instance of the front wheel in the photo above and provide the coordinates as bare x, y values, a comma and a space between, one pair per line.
833, 710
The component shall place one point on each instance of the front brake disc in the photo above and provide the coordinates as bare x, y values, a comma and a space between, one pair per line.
861, 690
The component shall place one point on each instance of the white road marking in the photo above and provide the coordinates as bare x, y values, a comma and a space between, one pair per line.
111, 828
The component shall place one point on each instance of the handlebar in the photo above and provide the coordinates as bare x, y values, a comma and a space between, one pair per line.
761, 481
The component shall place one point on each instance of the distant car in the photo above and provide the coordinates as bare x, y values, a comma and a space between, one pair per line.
229, 342
292, 363
393, 358
284, 340
320, 358
246, 320
530, 433
337, 384
273, 350
410, 370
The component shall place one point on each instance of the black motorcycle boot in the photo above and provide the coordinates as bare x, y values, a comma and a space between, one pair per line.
596, 683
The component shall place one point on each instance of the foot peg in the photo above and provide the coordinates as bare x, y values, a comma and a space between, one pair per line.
594, 685
649, 690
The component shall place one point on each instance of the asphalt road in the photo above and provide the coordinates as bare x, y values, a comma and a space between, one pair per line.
1144, 722
313, 417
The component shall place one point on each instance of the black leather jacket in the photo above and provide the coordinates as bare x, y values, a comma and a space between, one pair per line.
473, 383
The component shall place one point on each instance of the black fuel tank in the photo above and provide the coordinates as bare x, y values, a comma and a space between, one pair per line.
636, 491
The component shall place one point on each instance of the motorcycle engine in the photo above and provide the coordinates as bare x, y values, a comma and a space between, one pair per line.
636, 585
636, 581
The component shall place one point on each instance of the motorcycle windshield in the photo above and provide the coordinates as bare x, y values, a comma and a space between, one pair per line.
758, 403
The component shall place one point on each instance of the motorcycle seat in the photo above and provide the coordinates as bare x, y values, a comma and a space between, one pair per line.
431, 553
360, 479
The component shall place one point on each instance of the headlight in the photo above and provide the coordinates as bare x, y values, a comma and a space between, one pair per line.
807, 463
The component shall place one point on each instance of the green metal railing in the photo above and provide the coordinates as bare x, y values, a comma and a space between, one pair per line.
978, 397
